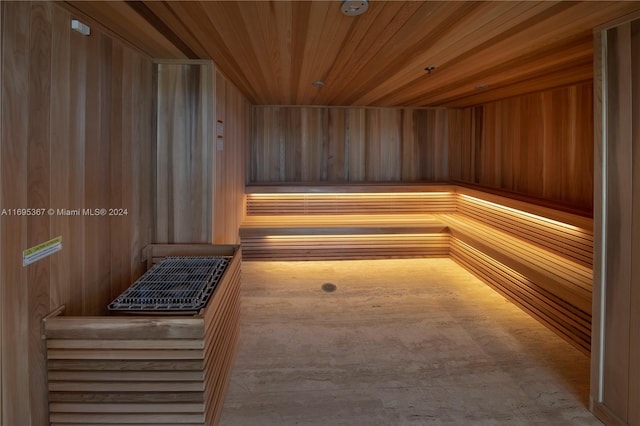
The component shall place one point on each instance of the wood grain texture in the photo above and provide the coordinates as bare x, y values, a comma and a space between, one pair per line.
184, 152
147, 369
616, 368
540, 145
341, 145
2, 267
203, 131
619, 243
232, 130
68, 127
273, 51
15, 136
39, 172
634, 299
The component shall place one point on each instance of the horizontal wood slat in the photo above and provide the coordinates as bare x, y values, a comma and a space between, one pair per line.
146, 370
319, 204
566, 320
539, 257
337, 247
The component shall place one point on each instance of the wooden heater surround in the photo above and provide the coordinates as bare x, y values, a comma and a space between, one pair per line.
539, 257
146, 369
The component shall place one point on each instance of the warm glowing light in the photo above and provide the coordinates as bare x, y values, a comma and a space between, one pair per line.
306, 237
349, 195
522, 213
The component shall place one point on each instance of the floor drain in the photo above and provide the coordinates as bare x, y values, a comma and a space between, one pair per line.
329, 287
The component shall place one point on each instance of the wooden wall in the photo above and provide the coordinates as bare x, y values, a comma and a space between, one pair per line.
539, 145
616, 356
233, 112
339, 145
184, 180
203, 125
76, 132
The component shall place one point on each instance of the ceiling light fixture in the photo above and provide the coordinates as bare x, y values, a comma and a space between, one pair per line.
318, 83
354, 7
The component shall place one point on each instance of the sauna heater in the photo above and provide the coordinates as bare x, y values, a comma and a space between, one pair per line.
176, 284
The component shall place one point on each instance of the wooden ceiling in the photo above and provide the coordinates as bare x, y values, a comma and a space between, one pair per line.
273, 51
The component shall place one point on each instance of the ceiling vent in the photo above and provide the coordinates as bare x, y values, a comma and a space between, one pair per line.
353, 7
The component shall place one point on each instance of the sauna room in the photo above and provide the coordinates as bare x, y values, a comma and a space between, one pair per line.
421, 212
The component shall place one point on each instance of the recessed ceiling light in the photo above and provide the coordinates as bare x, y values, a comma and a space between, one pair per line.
318, 83
354, 7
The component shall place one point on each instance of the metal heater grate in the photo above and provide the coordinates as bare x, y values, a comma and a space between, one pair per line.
173, 284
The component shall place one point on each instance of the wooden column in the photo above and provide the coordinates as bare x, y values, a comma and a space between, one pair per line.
616, 340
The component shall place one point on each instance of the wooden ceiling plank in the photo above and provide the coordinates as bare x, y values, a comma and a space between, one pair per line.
552, 25
506, 73
364, 42
469, 33
407, 44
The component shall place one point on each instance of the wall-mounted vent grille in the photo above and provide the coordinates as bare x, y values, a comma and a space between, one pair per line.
174, 284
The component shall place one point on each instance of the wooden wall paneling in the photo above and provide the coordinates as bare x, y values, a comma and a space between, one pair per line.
60, 140
183, 153
74, 188
314, 139
230, 161
431, 161
595, 397
38, 196
312, 144
15, 134
634, 320
120, 161
619, 245
634, 296
290, 145
441, 145
356, 125
337, 146
220, 189
146, 100
132, 156
384, 127
578, 167
97, 187
266, 150
410, 147
459, 144
539, 145
2, 266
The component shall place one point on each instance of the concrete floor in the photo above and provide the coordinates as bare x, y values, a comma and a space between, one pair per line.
399, 342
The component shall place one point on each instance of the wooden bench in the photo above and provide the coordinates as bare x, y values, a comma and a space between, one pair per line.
146, 370
537, 256
346, 222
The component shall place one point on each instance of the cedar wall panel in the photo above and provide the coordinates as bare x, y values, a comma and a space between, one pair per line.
340, 145
203, 128
76, 131
616, 366
185, 153
539, 145
233, 113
